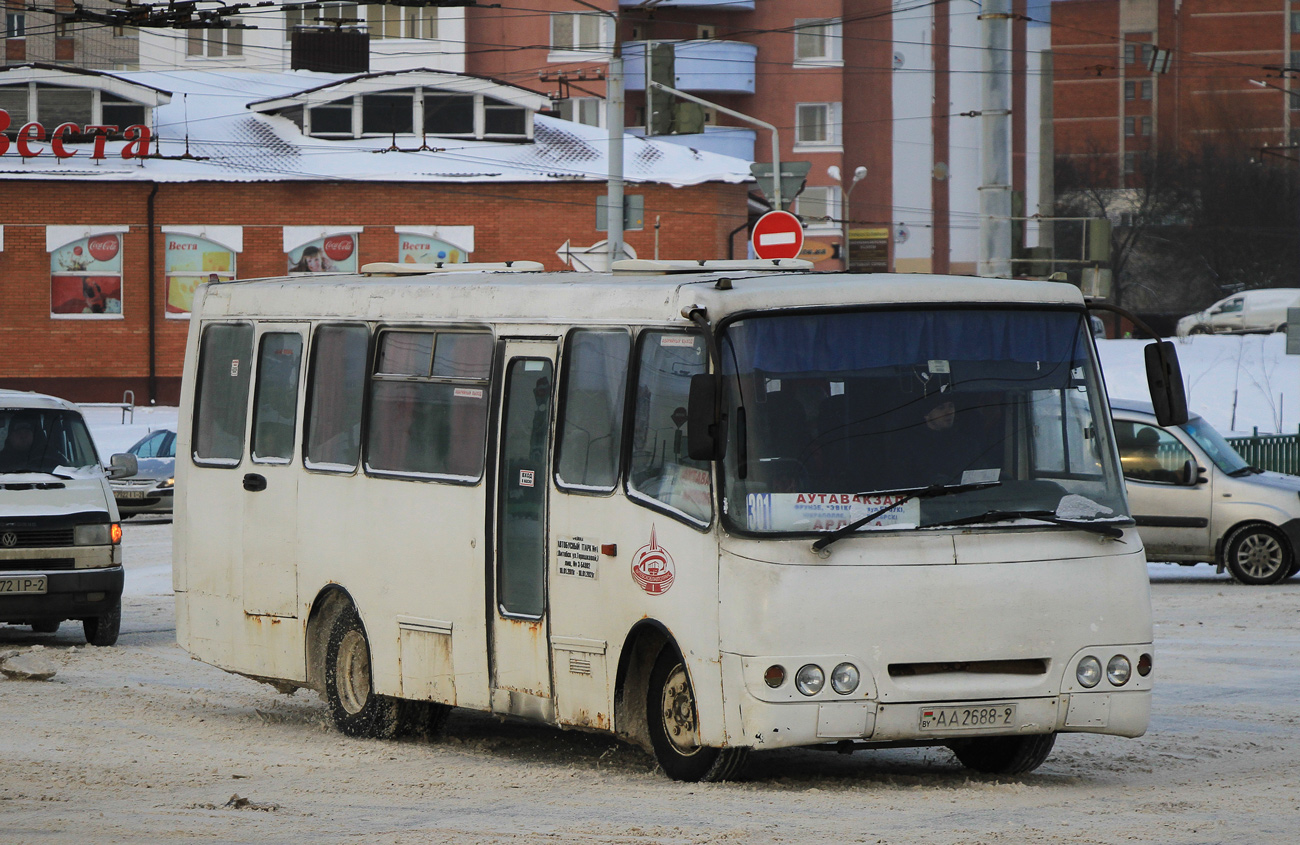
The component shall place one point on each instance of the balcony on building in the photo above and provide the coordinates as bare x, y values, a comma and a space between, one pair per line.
711, 5
703, 66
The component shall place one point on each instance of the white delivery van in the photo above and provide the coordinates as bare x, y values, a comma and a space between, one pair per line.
60, 538
1260, 311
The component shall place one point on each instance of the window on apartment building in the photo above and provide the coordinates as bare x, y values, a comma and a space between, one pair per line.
215, 43
1144, 126
1139, 52
1137, 126
1137, 90
817, 41
332, 119
817, 124
320, 14
503, 118
1295, 21
585, 110
385, 21
413, 110
580, 32
119, 111
1130, 162
15, 25
1130, 90
819, 206
384, 114
448, 114
1130, 127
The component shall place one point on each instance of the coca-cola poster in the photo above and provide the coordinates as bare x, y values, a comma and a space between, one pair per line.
329, 254
86, 277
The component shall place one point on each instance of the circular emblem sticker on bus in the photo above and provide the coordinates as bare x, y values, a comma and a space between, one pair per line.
652, 567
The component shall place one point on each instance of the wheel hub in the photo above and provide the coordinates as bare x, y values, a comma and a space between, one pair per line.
1260, 555
678, 709
353, 672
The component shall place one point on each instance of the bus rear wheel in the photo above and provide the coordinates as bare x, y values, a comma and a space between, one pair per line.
675, 727
355, 708
1004, 755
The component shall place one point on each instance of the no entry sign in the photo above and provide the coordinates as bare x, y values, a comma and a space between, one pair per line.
778, 234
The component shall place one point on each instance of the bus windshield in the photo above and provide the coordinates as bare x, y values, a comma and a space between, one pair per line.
831, 414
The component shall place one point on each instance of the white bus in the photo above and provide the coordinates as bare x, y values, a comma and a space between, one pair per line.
709, 512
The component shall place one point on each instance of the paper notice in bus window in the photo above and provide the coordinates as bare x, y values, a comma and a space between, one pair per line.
939, 366
578, 557
468, 393
826, 511
677, 340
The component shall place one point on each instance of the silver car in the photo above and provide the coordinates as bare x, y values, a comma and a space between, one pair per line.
1196, 500
150, 489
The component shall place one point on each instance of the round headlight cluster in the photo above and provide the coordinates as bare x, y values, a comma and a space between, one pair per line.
811, 678
1118, 670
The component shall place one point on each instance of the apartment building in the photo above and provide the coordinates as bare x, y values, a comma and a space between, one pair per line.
1136, 77
46, 32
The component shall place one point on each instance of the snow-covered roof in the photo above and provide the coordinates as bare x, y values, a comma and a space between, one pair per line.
208, 117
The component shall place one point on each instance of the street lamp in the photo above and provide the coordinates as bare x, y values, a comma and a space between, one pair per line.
859, 174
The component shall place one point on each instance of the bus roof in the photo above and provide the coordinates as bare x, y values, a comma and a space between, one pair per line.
598, 298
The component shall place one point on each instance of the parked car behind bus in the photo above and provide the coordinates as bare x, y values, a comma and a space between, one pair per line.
150, 489
1196, 500
1251, 311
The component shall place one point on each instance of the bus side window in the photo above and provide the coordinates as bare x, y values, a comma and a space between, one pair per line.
221, 402
275, 402
429, 404
336, 390
660, 468
595, 388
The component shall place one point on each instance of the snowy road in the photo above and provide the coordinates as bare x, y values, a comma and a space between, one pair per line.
140, 744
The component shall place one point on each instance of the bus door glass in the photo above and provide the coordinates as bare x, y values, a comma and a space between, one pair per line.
270, 479
521, 677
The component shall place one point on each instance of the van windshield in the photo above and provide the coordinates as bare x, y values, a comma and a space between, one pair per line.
829, 413
45, 441
1220, 451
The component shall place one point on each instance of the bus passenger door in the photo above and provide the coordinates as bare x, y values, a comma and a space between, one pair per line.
270, 478
519, 630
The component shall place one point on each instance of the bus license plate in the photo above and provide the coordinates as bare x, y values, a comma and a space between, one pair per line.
35, 584
971, 717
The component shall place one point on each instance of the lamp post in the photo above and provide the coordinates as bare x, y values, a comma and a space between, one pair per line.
859, 174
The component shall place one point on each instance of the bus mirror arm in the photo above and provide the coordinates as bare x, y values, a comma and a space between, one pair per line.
706, 431
1164, 375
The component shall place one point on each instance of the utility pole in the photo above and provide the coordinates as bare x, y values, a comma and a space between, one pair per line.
614, 120
995, 117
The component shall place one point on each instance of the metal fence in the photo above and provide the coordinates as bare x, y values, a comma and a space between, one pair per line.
1278, 452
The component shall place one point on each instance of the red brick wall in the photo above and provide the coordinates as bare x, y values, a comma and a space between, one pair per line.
95, 360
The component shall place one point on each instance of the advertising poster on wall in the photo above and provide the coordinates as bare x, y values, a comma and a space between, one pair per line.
190, 261
329, 254
86, 276
434, 244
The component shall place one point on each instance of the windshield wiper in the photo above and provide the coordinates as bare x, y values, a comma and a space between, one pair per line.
1247, 470
1107, 529
909, 493
36, 472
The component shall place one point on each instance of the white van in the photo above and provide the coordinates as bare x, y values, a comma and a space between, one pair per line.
60, 537
1260, 311
1196, 500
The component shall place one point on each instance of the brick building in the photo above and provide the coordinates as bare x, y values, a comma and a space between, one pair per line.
1135, 77
99, 254
48, 33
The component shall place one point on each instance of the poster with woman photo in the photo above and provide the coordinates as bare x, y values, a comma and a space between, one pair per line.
330, 254
86, 277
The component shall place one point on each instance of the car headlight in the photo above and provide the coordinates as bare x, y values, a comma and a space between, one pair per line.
1118, 670
1088, 673
810, 679
845, 678
99, 534
167, 484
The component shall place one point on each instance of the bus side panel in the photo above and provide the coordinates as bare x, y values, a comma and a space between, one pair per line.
602, 608
410, 555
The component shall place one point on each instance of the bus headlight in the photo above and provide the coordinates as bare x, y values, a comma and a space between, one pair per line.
845, 678
1088, 672
1118, 670
810, 679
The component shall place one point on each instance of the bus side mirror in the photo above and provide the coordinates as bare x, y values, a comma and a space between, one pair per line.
1165, 380
706, 439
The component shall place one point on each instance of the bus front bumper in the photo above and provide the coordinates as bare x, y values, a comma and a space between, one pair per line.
786, 724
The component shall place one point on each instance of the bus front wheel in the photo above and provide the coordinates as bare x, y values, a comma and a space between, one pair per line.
674, 726
355, 708
1004, 755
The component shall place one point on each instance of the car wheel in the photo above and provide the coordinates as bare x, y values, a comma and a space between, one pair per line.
674, 727
1199, 330
1004, 755
354, 707
1257, 555
47, 626
102, 630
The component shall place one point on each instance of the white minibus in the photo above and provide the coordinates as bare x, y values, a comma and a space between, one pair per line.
708, 510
